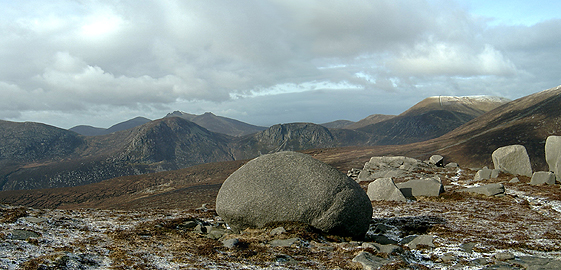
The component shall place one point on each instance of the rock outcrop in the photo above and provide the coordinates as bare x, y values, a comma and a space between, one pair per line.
513, 159
294, 187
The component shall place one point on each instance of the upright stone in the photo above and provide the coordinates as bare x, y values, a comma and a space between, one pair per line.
553, 155
290, 186
512, 159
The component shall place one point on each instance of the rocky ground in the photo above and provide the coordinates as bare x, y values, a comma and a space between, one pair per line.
519, 229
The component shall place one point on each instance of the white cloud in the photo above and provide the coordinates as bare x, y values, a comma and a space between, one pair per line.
80, 56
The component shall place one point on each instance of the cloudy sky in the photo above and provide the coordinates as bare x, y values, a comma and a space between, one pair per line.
264, 62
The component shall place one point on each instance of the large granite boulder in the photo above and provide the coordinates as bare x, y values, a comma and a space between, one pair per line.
512, 159
294, 187
553, 155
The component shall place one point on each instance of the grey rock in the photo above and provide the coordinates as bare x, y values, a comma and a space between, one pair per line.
384, 189
278, 231
535, 263
512, 159
421, 187
540, 178
34, 219
437, 160
284, 242
231, 243
514, 180
387, 248
495, 173
215, 233
370, 261
489, 189
482, 174
381, 239
468, 247
553, 155
22, 234
421, 241
290, 186
452, 165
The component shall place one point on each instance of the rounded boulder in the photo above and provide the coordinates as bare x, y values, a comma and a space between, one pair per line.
294, 187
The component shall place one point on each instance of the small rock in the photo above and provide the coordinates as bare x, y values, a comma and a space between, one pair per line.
420, 241
488, 190
188, 225
382, 239
447, 258
468, 247
215, 233
504, 256
284, 242
34, 219
231, 243
389, 248
540, 178
514, 180
277, 231
482, 174
452, 165
370, 261
436, 160
22, 234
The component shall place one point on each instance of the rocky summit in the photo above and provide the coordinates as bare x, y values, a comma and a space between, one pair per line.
293, 187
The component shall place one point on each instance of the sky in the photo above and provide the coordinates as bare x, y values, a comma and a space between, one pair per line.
264, 62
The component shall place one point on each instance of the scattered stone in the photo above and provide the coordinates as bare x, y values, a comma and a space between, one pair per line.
512, 159
447, 258
381, 239
540, 178
489, 189
188, 225
421, 187
284, 242
468, 247
504, 256
553, 155
215, 233
535, 263
514, 180
203, 208
370, 261
384, 189
231, 243
388, 248
353, 173
495, 173
34, 219
421, 241
285, 259
278, 231
452, 165
290, 186
482, 174
22, 234
437, 160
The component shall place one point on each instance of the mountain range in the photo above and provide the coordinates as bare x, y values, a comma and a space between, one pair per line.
35, 155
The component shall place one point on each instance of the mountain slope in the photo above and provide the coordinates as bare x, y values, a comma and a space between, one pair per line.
219, 124
369, 120
430, 118
164, 144
95, 131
